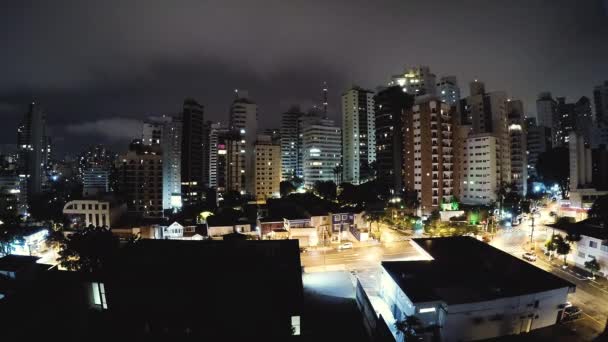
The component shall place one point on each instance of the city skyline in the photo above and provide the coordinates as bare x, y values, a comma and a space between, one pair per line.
97, 83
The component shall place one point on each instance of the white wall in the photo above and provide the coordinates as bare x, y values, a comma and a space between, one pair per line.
220, 230
600, 253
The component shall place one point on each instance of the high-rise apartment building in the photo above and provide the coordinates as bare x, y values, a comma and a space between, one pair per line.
192, 152
231, 162
140, 174
538, 141
546, 114
390, 106
244, 120
321, 145
517, 135
95, 181
448, 91
267, 168
416, 81
486, 112
583, 118
428, 152
480, 169
566, 121
600, 100
216, 129
289, 142
33, 149
358, 135
165, 132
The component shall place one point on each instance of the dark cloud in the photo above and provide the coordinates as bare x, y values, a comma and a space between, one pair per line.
113, 129
93, 61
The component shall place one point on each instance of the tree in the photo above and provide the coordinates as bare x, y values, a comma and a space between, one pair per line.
553, 166
408, 327
286, 187
88, 249
562, 247
599, 209
551, 247
376, 217
338, 174
593, 266
325, 189
9, 235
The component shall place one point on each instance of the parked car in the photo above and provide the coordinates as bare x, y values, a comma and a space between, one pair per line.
529, 256
572, 312
346, 245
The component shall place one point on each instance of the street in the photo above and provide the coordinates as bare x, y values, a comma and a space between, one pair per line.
590, 295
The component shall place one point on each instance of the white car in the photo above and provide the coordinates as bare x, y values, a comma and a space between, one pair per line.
346, 245
529, 256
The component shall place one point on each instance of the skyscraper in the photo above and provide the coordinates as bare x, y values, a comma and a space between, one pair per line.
486, 112
448, 91
546, 114
417, 81
358, 135
267, 168
244, 120
583, 118
231, 162
32, 143
390, 106
216, 130
192, 167
428, 152
289, 142
321, 145
600, 99
517, 135
538, 141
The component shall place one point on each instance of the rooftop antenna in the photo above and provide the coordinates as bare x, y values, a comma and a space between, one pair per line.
325, 98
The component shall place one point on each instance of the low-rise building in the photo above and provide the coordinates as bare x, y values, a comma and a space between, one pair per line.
592, 245
98, 213
467, 290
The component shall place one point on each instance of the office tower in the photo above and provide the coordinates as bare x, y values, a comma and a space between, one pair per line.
428, 152
566, 121
486, 112
448, 91
546, 114
583, 118
192, 168
480, 177
600, 99
289, 142
216, 129
358, 135
141, 180
538, 140
33, 144
231, 162
417, 81
517, 135
267, 168
95, 181
244, 120
390, 106
321, 145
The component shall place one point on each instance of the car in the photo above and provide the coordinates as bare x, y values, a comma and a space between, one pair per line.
529, 256
346, 245
572, 312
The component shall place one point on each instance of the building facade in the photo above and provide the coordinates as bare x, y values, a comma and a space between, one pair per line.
519, 157
546, 114
33, 148
192, 168
358, 135
428, 152
600, 100
448, 90
244, 120
416, 81
95, 181
321, 145
289, 142
391, 104
141, 179
216, 130
267, 168
480, 169
538, 140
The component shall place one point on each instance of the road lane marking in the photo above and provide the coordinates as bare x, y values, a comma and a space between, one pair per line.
593, 319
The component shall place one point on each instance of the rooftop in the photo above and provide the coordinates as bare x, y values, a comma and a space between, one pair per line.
589, 227
16, 262
466, 270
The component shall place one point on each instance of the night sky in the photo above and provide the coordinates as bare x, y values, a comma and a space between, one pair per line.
99, 68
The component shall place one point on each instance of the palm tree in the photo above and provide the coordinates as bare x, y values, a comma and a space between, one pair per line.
338, 174
408, 327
